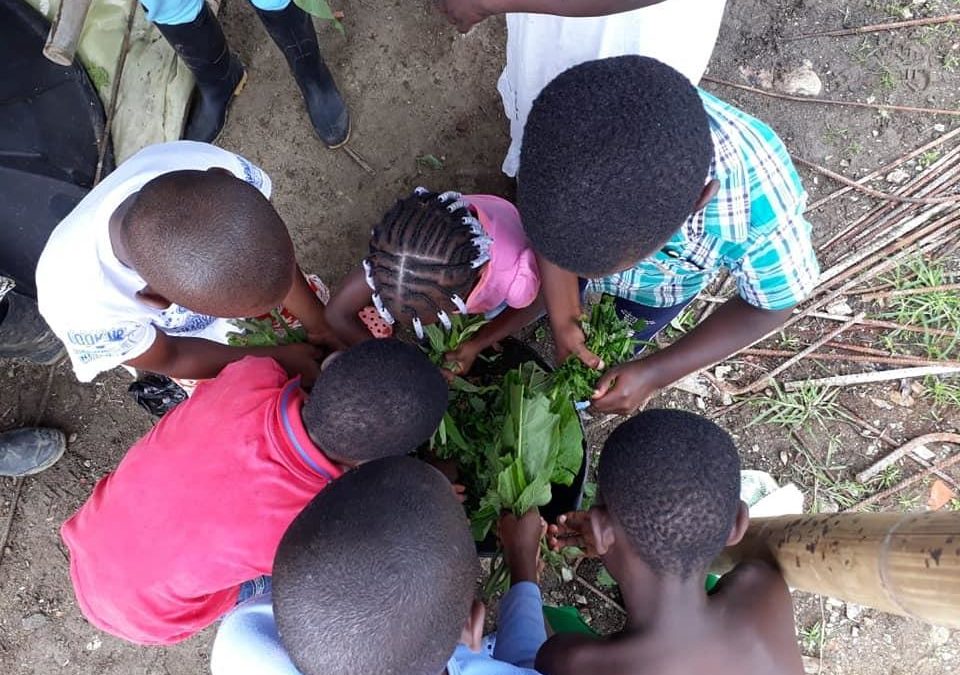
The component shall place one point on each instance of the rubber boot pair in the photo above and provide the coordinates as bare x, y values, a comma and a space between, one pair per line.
220, 75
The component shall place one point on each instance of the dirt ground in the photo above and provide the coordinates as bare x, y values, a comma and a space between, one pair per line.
426, 111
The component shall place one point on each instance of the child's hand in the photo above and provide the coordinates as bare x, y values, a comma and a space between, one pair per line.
625, 389
571, 340
300, 359
465, 14
572, 529
326, 338
460, 361
520, 539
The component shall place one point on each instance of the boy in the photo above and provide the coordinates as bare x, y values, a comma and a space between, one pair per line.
545, 37
196, 508
668, 488
149, 266
650, 197
377, 575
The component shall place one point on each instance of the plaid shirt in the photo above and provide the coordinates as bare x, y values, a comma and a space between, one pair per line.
754, 226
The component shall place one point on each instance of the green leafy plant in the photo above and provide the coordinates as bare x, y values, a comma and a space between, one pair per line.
261, 332
321, 10
609, 337
440, 341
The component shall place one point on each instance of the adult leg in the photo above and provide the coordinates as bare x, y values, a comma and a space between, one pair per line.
23, 332
681, 33
292, 30
30, 450
195, 34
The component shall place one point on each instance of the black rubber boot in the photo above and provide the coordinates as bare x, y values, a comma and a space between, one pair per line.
24, 334
292, 29
27, 451
218, 72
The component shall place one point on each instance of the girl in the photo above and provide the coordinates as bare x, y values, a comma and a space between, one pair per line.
436, 254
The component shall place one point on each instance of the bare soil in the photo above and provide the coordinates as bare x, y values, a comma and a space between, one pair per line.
419, 90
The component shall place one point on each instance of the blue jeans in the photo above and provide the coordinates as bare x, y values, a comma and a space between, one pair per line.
255, 588
174, 12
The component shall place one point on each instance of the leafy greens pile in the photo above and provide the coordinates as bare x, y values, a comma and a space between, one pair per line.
512, 440
609, 337
261, 332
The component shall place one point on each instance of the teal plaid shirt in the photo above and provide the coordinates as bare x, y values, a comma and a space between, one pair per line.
754, 227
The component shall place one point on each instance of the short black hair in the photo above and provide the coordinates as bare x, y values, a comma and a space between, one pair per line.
209, 242
376, 574
379, 398
427, 249
615, 154
672, 480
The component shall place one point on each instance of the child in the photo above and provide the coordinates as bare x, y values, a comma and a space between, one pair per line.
668, 488
545, 37
436, 254
377, 575
197, 507
650, 197
149, 266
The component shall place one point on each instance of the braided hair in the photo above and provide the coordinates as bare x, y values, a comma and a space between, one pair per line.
425, 258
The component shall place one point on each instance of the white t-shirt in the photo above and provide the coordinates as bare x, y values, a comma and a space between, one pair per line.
89, 297
680, 33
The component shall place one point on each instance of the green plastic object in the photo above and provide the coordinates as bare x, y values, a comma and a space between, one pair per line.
566, 619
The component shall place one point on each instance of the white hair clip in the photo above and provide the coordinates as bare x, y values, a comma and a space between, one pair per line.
381, 310
483, 244
368, 274
418, 327
448, 196
459, 303
475, 226
444, 320
480, 260
420, 191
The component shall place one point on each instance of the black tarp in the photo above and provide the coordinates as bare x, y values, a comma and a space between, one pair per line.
51, 120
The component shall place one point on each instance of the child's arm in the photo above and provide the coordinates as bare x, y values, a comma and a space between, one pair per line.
467, 13
347, 301
520, 626
508, 322
561, 293
303, 303
196, 358
737, 324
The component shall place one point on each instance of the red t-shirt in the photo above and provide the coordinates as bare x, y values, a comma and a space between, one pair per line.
196, 507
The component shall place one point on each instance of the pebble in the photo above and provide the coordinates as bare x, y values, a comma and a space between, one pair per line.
811, 665
72, 438
898, 176
94, 644
34, 621
580, 599
802, 81
854, 611
939, 636
829, 507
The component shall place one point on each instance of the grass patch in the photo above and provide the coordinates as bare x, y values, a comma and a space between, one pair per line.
812, 638
934, 309
797, 409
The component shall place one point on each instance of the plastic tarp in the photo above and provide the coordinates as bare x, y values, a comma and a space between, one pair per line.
155, 86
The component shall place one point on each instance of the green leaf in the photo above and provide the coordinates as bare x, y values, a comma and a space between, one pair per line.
429, 162
321, 10
538, 493
605, 579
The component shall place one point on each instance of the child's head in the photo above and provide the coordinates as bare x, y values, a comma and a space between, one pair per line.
209, 242
668, 487
376, 574
425, 258
615, 158
379, 398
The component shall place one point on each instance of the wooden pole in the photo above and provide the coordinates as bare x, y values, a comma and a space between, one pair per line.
901, 563
65, 31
